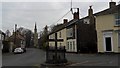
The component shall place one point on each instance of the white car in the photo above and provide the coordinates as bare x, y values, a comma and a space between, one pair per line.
18, 51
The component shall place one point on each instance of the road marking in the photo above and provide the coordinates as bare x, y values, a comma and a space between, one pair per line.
79, 63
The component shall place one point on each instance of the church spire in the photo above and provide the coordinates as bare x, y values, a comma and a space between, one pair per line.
35, 36
35, 29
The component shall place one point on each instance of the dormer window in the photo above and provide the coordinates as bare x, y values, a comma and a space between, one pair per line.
117, 19
86, 21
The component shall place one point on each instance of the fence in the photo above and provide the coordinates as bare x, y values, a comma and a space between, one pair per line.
55, 56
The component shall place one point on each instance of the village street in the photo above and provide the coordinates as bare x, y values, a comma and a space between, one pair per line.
35, 57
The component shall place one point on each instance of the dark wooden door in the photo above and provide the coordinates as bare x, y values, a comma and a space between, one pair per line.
108, 44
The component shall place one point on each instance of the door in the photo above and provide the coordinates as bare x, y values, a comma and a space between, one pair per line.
108, 44
119, 39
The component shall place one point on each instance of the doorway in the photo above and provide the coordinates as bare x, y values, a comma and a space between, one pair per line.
108, 43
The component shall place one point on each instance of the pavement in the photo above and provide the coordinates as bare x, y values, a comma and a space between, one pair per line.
36, 57
93, 59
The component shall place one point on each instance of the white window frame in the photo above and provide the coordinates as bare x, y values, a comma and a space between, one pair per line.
73, 45
105, 35
70, 46
116, 20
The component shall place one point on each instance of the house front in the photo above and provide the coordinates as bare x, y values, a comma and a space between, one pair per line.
77, 35
71, 35
108, 29
61, 35
16, 40
2, 37
81, 34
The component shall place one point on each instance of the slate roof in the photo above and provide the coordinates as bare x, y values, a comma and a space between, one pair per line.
62, 26
18, 36
115, 9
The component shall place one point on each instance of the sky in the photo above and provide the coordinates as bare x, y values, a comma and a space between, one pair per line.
43, 12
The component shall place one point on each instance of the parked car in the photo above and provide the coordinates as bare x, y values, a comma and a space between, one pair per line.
18, 50
24, 49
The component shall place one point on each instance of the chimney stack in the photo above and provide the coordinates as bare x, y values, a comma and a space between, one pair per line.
76, 14
65, 21
112, 4
90, 11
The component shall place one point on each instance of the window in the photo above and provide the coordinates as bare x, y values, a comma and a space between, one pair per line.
60, 44
86, 21
73, 45
70, 32
59, 34
117, 19
68, 45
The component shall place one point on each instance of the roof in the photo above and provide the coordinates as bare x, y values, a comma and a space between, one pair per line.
63, 26
115, 9
60, 27
2, 32
72, 22
67, 24
18, 36
112, 10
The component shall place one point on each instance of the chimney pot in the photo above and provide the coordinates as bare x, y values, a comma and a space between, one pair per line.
65, 21
76, 14
90, 11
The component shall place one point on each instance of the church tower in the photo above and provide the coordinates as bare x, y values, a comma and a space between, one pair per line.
35, 36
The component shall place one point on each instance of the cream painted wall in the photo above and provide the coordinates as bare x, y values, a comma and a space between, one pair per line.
100, 41
115, 41
106, 22
52, 44
63, 36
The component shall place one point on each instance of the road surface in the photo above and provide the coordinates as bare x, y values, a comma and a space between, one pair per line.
35, 57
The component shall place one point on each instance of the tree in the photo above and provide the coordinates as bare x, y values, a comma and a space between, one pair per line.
43, 38
28, 38
44, 35
7, 33
27, 34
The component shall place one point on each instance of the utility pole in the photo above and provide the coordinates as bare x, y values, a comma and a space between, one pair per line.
15, 34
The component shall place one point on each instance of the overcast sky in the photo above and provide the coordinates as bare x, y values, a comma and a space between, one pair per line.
25, 14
